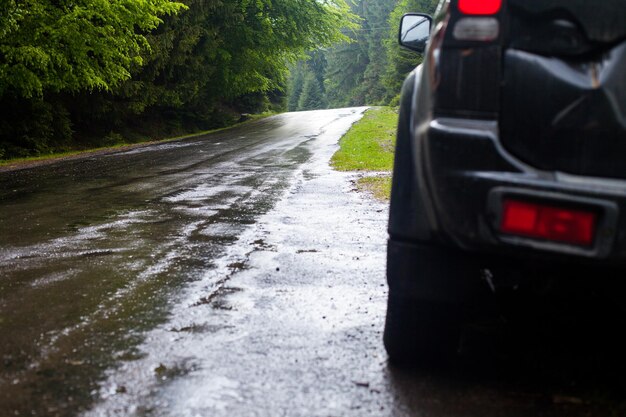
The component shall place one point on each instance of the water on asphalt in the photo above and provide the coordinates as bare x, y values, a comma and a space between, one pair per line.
234, 274
94, 253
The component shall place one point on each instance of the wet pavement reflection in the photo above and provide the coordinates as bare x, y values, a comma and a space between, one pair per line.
234, 274
93, 252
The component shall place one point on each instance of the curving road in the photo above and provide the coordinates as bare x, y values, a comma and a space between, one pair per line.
233, 274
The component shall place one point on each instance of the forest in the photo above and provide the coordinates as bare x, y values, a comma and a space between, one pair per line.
79, 74
367, 70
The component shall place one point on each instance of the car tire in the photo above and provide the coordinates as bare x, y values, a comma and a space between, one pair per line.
432, 290
421, 333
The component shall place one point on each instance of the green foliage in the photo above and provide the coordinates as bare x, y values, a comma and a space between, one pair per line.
354, 69
150, 67
46, 127
346, 67
306, 83
370, 69
312, 97
295, 84
377, 15
401, 61
48, 45
216, 53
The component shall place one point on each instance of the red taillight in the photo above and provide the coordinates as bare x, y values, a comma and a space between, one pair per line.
547, 222
480, 7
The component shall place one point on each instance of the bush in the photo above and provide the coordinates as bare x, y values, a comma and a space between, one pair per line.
33, 127
395, 101
112, 139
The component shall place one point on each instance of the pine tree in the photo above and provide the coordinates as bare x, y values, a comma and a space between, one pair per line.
377, 14
295, 85
355, 69
311, 97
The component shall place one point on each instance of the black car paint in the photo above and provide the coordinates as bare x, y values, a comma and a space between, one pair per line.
463, 133
578, 122
466, 116
601, 20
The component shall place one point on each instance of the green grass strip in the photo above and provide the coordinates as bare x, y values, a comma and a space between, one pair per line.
369, 146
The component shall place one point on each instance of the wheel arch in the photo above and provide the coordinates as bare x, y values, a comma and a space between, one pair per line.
408, 216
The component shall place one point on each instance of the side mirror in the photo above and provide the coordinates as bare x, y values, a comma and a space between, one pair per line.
415, 31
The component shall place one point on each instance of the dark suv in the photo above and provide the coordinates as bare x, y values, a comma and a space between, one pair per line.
510, 156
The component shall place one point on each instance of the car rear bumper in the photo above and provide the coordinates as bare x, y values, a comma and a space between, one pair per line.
468, 175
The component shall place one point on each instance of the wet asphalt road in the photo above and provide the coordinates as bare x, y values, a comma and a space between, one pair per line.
233, 274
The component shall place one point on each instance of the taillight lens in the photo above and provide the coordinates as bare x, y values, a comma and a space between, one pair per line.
548, 222
480, 7
478, 29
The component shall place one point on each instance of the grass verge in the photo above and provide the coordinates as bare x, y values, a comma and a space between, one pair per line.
368, 147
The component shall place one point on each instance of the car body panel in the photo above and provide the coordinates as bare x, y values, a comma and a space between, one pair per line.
600, 20
470, 106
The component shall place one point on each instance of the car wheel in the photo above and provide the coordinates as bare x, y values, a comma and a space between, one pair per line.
432, 289
421, 333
